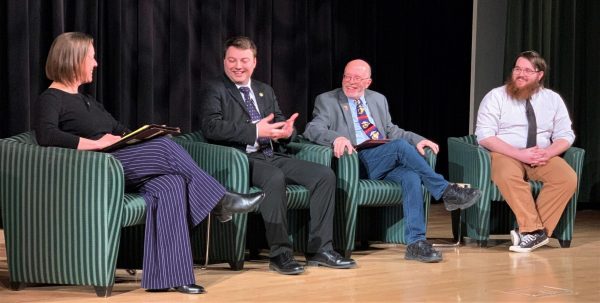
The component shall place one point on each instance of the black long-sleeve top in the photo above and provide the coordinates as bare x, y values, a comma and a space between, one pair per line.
64, 117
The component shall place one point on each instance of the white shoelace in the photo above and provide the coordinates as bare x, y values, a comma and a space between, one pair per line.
527, 239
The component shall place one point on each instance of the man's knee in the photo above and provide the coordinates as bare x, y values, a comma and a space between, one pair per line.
274, 181
401, 144
567, 179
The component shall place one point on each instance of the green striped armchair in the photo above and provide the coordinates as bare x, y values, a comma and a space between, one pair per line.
469, 163
298, 198
67, 218
369, 210
229, 166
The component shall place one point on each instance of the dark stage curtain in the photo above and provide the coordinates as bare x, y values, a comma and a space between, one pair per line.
153, 55
566, 33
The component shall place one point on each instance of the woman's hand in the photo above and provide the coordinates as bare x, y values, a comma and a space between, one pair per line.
104, 141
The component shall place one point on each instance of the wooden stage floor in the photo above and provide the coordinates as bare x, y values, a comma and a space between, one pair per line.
467, 274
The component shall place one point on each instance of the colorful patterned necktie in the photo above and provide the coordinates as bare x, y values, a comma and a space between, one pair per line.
264, 143
531, 125
369, 128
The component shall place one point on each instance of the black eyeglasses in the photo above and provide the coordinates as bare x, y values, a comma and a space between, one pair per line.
354, 78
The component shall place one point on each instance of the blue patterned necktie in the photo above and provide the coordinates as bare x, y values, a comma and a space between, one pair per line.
264, 143
363, 119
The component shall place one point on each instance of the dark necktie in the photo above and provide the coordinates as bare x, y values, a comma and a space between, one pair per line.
264, 143
531, 124
363, 119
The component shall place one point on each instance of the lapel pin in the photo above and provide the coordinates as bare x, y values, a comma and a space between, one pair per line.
345, 107
261, 94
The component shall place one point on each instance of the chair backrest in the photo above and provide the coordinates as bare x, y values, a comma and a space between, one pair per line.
26, 138
195, 136
471, 139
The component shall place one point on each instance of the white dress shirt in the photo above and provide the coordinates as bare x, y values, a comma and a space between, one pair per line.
504, 117
251, 148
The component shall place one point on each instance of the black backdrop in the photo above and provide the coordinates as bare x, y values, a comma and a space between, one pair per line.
153, 55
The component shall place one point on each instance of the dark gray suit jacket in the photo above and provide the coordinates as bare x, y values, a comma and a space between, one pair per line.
332, 119
224, 118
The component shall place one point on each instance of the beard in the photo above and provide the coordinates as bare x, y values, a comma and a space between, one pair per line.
521, 93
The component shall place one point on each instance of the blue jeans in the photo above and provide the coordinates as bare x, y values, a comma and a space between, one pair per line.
399, 161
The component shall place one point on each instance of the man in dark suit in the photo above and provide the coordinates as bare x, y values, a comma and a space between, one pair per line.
243, 113
347, 116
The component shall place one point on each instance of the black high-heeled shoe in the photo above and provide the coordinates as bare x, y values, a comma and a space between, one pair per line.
234, 203
186, 289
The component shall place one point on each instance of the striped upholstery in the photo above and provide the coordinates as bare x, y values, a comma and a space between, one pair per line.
230, 167
299, 197
469, 163
227, 240
369, 209
63, 211
298, 201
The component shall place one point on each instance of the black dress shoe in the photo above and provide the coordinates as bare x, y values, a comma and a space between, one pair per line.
330, 259
456, 197
422, 251
285, 264
190, 289
234, 203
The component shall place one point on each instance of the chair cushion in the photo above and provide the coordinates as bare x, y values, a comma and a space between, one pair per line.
134, 212
298, 197
379, 193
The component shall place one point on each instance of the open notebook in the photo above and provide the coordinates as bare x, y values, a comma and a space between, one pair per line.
371, 143
141, 134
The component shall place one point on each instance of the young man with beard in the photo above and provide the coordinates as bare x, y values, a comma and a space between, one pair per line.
352, 114
526, 127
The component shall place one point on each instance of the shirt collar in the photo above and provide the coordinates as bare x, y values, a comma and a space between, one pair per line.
249, 85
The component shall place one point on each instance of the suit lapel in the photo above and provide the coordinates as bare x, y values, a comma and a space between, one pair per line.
345, 107
235, 93
260, 98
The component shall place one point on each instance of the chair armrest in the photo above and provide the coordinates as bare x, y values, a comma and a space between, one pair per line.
60, 206
347, 172
86, 186
468, 163
226, 164
574, 157
310, 152
430, 157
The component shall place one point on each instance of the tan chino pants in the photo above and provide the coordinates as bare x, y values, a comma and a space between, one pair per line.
560, 182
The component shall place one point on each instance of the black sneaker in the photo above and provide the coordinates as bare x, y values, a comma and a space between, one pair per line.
456, 197
422, 251
531, 241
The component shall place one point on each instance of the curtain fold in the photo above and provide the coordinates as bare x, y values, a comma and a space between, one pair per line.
153, 55
566, 33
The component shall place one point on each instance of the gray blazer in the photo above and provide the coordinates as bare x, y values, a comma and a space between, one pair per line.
332, 119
